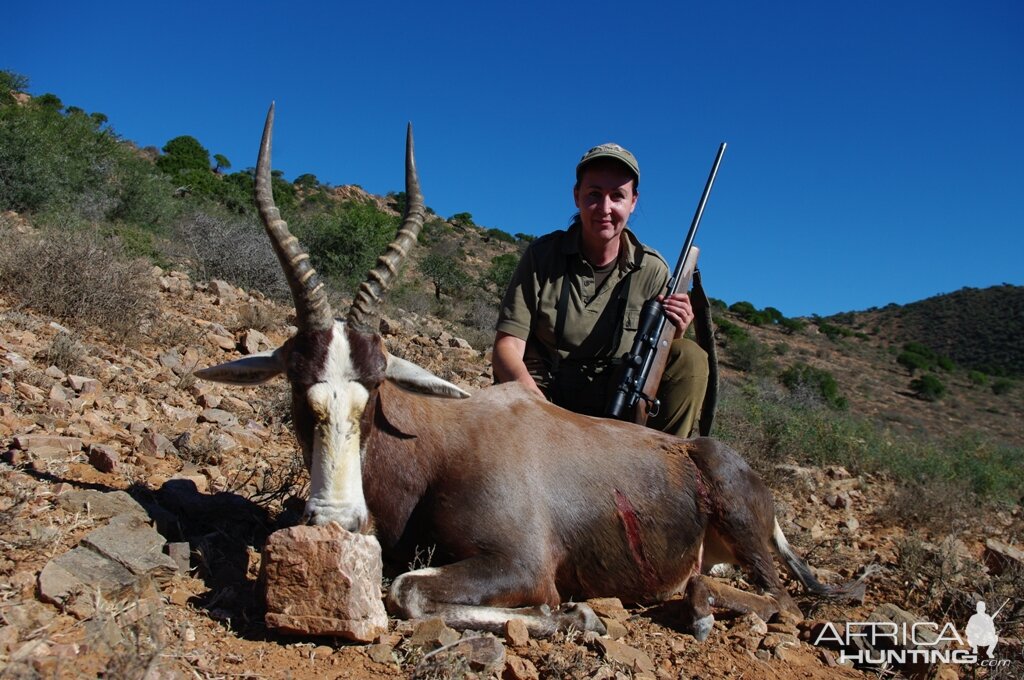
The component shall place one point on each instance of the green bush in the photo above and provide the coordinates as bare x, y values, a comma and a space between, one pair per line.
499, 235
792, 325
913, 361
921, 349
501, 270
345, 241
222, 163
759, 318
462, 219
309, 182
67, 164
816, 381
928, 387
774, 314
1002, 386
747, 354
977, 378
946, 364
832, 331
11, 83
397, 201
743, 309
730, 331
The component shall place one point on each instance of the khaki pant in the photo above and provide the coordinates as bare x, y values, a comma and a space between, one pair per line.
585, 388
682, 389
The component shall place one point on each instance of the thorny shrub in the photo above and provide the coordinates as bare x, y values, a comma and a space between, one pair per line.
936, 503
79, 278
65, 352
235, 249
259, 317
940, 582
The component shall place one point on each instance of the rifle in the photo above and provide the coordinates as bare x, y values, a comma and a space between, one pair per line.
644, 364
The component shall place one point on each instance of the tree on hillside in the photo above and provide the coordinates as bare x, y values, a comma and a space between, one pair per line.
501, 270
441, 266
183, 153
344, 240
49, 101
398, 201
222, 163
462, 219
10, 83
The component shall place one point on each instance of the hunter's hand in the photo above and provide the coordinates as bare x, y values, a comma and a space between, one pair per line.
507, 361
678, 310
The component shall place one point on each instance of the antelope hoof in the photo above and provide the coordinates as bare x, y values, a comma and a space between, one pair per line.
581, 617
702, 627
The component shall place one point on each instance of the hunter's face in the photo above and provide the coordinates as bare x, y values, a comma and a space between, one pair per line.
606, 197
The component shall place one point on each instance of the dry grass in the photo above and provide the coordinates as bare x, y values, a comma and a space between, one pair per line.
65, 352
80, 278
131, 637
257, 316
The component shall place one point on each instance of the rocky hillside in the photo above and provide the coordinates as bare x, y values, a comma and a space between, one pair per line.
135, 502
978, 328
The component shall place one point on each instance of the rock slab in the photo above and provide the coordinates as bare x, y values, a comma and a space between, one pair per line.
119, 560
133, 543
323, 580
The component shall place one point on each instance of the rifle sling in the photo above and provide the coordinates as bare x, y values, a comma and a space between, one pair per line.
705, 333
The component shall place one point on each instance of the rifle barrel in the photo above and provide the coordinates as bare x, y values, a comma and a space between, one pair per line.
690, 235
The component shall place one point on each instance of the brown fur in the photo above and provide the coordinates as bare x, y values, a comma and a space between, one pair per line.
305, 355
524, 502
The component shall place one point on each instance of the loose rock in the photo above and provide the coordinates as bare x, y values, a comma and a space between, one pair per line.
323, 580
516, 632
432, 633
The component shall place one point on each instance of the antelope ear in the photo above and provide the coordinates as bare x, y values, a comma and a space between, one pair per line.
251, 370
412, 377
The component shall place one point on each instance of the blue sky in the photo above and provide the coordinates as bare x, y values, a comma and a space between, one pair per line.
876, 149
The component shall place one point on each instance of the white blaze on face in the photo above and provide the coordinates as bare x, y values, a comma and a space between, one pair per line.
337, 401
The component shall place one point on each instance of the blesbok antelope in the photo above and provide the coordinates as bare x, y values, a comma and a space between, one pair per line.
529, 505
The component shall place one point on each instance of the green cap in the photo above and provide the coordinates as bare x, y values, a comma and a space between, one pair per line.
613, 151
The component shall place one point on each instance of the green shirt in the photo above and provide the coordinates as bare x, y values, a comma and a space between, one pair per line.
594, 316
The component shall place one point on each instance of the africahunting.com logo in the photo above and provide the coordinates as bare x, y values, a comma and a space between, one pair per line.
878, 643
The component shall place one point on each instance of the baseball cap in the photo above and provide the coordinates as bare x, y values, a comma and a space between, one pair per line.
609, 150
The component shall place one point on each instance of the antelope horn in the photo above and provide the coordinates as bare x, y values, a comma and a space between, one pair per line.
312, 310
383, 275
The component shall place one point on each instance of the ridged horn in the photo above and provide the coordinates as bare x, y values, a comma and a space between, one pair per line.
312, 310
382, 276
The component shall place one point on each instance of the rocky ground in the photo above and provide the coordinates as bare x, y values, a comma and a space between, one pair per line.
135, 503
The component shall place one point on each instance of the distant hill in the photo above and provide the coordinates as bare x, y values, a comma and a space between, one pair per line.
979, 328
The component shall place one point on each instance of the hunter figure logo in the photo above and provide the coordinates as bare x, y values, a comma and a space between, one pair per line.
892, 643
981, 630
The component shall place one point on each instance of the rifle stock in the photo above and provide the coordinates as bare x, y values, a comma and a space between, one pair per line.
642, 410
